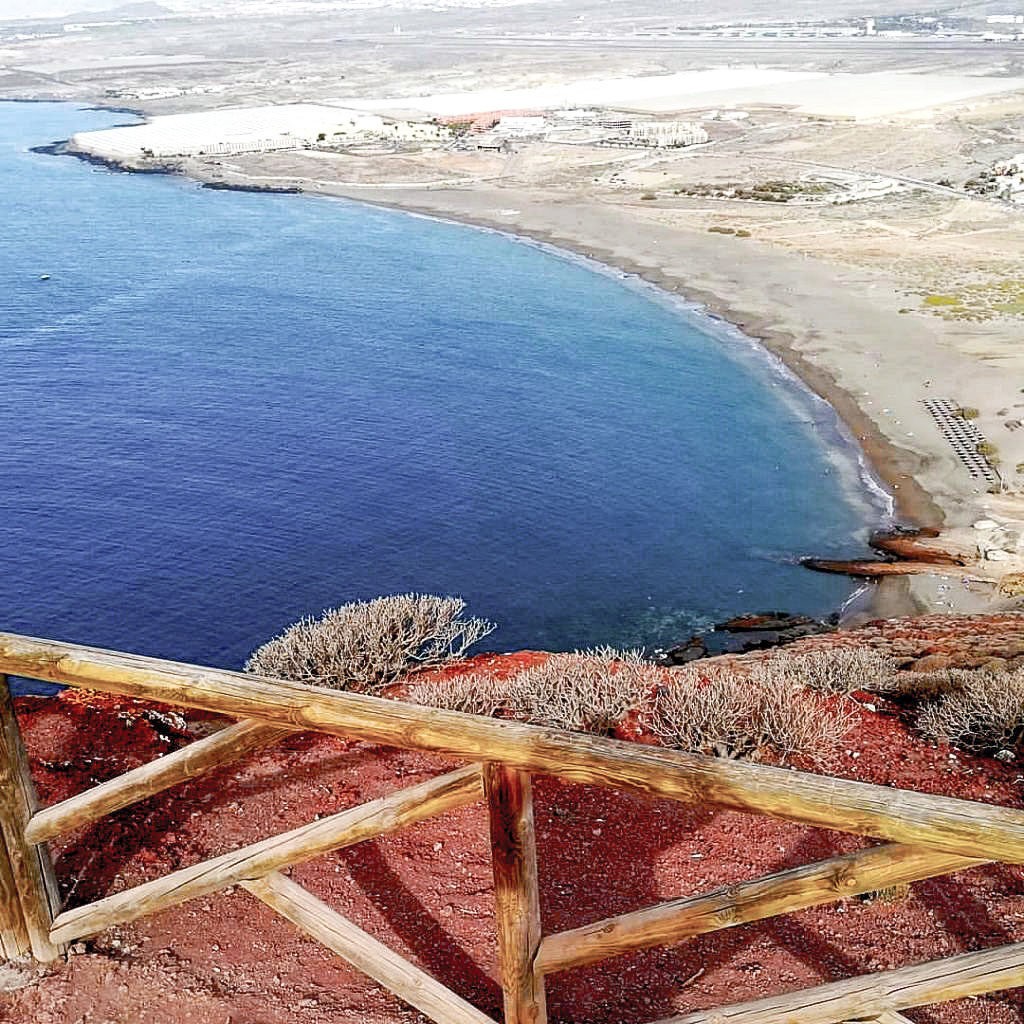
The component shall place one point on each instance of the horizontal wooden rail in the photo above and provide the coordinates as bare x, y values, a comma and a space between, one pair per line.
368, 821
781, 893
870, 996
959, 827
364, 952
189, 762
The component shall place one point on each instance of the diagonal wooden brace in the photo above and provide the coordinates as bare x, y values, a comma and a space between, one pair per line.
368, 821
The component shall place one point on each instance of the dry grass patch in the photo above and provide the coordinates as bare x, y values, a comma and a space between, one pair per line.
841, 670
978, 711
700, 708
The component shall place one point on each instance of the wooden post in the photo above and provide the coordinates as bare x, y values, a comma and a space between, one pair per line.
517, 899
30, 869
14, 940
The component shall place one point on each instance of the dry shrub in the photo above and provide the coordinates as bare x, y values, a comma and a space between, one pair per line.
1012, 584
366, 645
705, 709
930, 686
589, 691
841, 670
722, 713
982, 713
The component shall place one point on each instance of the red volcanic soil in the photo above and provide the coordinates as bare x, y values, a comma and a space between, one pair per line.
426, 892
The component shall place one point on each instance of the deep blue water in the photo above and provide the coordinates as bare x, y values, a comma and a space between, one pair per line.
224, 410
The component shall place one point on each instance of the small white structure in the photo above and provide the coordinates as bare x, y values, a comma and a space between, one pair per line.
575, 115
618, 124
668, 133
1010, 179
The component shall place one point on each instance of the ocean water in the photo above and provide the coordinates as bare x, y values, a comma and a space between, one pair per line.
224, 411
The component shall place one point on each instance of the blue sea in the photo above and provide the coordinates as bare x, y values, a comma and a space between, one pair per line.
223, 411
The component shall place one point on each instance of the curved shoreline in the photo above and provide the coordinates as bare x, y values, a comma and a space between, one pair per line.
883, 469
883, 461
889, 466
879, 494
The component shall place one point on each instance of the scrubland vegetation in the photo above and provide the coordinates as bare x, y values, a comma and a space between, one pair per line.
778, 707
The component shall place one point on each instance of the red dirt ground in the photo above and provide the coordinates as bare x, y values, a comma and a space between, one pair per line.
427, 891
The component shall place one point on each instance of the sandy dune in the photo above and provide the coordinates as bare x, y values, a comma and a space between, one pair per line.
879, 94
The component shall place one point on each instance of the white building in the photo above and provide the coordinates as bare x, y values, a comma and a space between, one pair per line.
521, 126
575, 115
1010, 179
668, 133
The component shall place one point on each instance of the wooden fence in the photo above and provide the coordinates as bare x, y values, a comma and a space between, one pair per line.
923, 836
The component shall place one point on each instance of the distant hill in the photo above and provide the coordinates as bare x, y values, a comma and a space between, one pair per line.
78, 10
123, 12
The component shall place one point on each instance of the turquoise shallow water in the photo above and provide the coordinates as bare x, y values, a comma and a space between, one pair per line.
224, 410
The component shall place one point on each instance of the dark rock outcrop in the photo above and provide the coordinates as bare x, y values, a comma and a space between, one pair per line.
756, 632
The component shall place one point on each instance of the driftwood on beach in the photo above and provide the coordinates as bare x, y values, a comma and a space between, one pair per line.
872, 569
907, 553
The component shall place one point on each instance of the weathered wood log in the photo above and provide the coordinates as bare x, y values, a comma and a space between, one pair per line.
368, 821
780, 893
871, 995
15, 942
961, 827
189, 762
31, 870
867, 569
362, 951
882, 1018
516, 894
912, 548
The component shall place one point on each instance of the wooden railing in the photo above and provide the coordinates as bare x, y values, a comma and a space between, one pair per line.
924, 836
